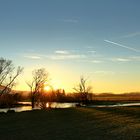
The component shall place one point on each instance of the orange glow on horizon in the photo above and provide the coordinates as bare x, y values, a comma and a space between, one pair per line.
102, 83
47, 88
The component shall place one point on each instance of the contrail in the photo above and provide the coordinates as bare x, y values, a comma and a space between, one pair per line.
123, 46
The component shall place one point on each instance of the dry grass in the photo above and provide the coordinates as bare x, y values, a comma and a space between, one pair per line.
117, 97
121, 123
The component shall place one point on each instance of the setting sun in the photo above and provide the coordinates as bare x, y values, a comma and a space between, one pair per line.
73, 43
71, 67
47, 88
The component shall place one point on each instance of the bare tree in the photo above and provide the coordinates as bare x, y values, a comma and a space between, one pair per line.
39, 78
8, 75
83, 89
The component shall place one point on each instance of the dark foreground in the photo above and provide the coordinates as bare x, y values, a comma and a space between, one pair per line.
121, 123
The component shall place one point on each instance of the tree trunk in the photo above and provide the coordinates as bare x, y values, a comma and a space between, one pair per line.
33, 102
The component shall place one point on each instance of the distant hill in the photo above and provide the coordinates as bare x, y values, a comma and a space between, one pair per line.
16, 91
132, 96
21, 92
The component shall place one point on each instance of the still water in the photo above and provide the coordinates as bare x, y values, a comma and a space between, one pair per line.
117, 105
17, 109
51, 105
62, 105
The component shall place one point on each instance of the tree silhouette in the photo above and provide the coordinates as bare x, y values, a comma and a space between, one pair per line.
39, 78
83, 89
8, 75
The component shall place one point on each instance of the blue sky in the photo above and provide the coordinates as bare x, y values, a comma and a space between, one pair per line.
96, 38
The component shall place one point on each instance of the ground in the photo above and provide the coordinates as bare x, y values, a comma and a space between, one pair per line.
120, 123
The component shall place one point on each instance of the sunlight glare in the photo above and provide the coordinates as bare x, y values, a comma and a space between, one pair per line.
47, 88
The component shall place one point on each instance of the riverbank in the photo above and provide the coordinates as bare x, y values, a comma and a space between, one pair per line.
72, 123
26, 106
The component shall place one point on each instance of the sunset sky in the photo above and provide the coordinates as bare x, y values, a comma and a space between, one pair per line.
99, 39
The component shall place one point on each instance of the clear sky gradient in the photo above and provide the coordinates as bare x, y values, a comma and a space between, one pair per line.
96, 38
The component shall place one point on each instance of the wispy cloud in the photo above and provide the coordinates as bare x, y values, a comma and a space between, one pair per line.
135, 58
32, 56
56, 55
126, 59
121, 59
95, 61
131, 35
92, 52
122, 46
90, 61
61, 52
66, 57
104, 72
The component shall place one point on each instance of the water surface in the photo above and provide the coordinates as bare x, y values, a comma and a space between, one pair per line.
62, 105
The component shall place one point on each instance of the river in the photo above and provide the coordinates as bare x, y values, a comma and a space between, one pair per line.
27, 106
62, 105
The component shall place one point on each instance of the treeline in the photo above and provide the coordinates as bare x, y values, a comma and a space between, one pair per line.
60, 96
10, 100
13, 99
40, 79
82, 92
8, 77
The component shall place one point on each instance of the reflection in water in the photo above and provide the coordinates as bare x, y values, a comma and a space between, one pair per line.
25, 103
17, 109
61, 105
48, 105
23, 108
117, 105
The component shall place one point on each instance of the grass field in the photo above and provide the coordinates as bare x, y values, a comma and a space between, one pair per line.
121, 123
128, 97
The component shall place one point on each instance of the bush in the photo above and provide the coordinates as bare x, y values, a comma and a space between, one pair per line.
7, 100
